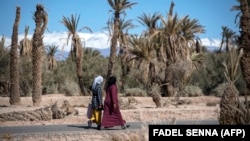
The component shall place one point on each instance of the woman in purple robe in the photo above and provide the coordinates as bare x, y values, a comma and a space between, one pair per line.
111, 114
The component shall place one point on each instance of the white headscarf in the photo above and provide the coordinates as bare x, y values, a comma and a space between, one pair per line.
97, 80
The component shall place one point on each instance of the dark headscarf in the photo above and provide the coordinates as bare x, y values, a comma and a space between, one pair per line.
111, 81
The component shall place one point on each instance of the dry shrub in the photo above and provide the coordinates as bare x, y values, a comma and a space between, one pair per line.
137, 92
82, 105
41, 114
183, 101
129, 135
134, 137
132, 101
6, 136
192, 91
71, 88
156, 96
68, 109
52, 89
56, 112
129, 103
175, 101
119, 137
212, 103
143, 133
34, 115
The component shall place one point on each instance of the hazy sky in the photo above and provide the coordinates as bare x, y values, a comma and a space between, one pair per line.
212, 14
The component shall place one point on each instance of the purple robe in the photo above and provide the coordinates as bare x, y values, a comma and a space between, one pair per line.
112, 116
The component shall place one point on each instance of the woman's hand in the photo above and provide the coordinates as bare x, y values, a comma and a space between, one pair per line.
115, 106
100, 106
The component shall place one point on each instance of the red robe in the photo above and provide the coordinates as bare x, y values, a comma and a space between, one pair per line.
112, 116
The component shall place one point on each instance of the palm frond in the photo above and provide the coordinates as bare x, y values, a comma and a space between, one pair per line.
119, 6
232, 66
51, 50
25, 44
197, 60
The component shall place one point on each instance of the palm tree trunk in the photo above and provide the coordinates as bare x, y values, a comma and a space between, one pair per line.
124, 71
14, 71
40, 18
169, 76
112, 56
229, 99
244, 41
152, 74
79, 71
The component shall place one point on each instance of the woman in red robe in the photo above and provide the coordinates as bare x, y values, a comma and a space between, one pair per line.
111, 114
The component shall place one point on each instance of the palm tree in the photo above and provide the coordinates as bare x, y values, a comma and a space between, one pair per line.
2, 48
150, 21
5, 64
143, 49
227, 38
244, 40
76, 47
198, 45
123, 49
41, 20
176, 50
238, 8
4, 58
25, 44
118, 6
51, 51
123, 54
176, 36
14, 71
229, 100
2, 42
89, 52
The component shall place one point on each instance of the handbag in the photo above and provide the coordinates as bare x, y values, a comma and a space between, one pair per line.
89, 111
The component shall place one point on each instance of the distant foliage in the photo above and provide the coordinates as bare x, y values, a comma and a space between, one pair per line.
218, 91
214, 72
94, 63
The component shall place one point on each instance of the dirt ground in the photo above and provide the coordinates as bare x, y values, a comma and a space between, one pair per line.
139, 109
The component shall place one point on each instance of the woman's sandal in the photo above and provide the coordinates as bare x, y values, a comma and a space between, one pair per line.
125, 126
89, 123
